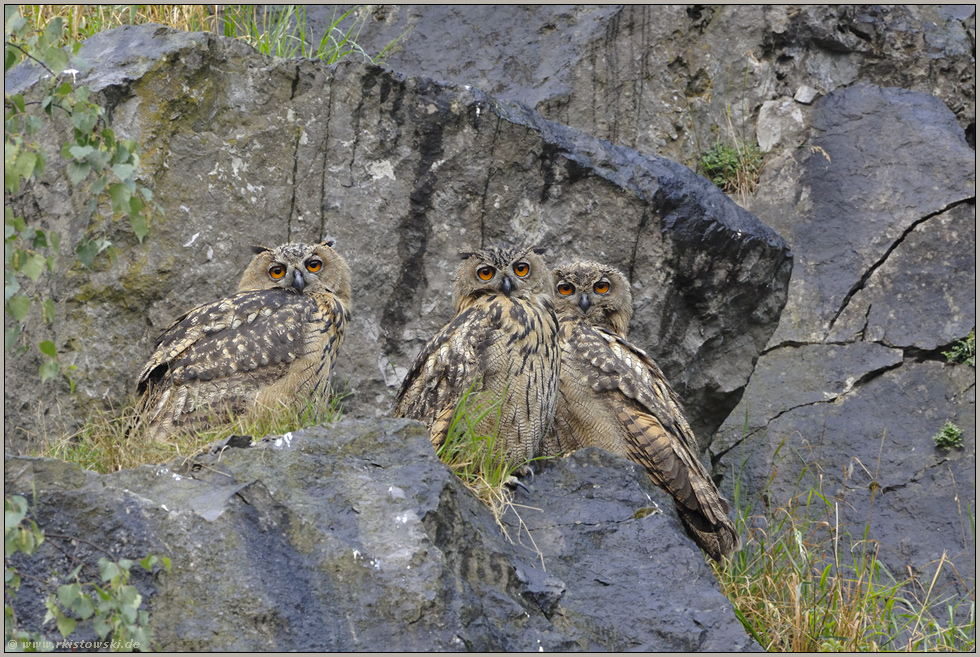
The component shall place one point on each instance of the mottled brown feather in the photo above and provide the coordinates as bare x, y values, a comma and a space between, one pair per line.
504, 345
613, 395
272, 343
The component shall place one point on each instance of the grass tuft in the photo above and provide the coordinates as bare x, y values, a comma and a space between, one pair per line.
802, 583
474, 456
105, 442
280, 31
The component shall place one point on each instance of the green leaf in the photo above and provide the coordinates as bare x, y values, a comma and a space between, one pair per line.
99, 184
108, 569
10, 338
77, 171
84, 121
67, 594
33, 266
47, 347
102, 626
86, 253
119, 195
49, 370
80, 152
138, 222
84, 607
11, 285
123, 171
18, 305
54, 239
47, 311
66, 625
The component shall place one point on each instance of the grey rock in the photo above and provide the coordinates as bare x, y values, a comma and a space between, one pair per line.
882, 162
781, 123
242, 149
805, 94
355, 537
665, 78
881, 215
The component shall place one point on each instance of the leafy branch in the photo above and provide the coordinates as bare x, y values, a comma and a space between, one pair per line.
94, 157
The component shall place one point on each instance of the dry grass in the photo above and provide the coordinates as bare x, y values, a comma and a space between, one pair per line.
803, 584
106, 442
82, 21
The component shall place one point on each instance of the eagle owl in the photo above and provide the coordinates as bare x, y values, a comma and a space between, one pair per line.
273, 342
503, 342
612, 395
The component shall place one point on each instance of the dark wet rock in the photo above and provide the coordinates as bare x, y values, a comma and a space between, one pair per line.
355, 537
403, 172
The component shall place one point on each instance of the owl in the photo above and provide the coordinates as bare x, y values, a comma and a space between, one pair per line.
502, 344
274, 342
612, 395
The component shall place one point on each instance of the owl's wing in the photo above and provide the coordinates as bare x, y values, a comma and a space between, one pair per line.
442, 373
240, 335
660, 439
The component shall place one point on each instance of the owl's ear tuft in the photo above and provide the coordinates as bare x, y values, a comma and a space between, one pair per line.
465, 255
256, 249
329, 242
540, 249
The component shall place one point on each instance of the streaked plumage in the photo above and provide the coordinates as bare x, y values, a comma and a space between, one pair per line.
273, 342
612, 395
503, 341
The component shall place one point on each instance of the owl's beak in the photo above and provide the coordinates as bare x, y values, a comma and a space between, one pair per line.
584, 303
298, 281
507, 285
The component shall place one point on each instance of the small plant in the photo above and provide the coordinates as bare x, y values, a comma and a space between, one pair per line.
16, 538
964, 351
949, 436
95, 159
732, 167
284, 32
113, 608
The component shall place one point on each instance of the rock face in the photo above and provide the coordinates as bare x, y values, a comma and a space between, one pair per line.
868, 116
355, 537
404, 172
665, 79
881, 213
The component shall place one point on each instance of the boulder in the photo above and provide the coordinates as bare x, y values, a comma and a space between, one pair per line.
354, 536
404, 173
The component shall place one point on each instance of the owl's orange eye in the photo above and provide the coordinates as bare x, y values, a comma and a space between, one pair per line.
601, 287
485, 273
277, 271
565, 289
314, 265
521, 269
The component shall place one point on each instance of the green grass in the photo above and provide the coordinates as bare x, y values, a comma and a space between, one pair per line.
107, 442
733, 167
281, 32
475, 457
803, 583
